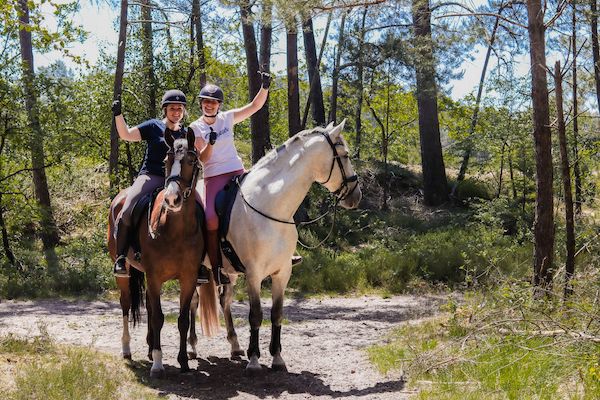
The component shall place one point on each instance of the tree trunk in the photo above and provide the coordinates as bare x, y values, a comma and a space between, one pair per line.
512, 176
148, 58
576, 170
314, 76
5, 242
468, 142
113, 163
260, 143
435, 184
501, 170
544, 219
336, 70
360, 87
197, 23
49, 232
595, 49
266, 38
293, 90
566, 178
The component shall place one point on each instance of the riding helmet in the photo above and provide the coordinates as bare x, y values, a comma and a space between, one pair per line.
173, 96
211, 92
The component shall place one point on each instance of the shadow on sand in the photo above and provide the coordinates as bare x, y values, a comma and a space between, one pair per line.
221, 378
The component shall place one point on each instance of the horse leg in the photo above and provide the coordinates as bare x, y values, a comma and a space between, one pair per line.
226, 298
255, 319
156, 320
193, 337
125, 300
150, 332
187, 289
279, 282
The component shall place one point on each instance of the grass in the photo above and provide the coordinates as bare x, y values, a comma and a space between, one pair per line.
501, 345
40, 369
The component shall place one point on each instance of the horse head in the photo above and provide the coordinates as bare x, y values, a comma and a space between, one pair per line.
340, 178
182, 168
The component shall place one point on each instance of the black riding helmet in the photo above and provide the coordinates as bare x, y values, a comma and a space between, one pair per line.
211, 92
173, 96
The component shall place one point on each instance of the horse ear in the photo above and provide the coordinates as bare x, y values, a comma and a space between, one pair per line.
328, 127
335, 132
169, 138
191, 138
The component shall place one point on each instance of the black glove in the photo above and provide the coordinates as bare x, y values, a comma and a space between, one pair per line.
212, 137
116, 107
266, 79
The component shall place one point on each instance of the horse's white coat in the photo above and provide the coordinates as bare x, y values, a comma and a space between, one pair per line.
157, 364
276, 185
126, 338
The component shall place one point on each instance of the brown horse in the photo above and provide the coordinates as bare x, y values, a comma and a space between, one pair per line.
172, 245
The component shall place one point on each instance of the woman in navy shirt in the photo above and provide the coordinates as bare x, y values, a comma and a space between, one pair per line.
152, 172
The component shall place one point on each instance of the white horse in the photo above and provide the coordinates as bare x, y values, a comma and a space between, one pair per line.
263, 233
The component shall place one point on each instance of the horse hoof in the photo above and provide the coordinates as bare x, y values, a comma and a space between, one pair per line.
279, 367
192, 355
157, 374
252, 371
185, 369
127, 356
237, 354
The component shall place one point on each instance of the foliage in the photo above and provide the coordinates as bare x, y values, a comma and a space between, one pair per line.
502, 343
45, 370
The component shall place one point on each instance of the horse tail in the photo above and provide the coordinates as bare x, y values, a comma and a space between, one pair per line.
209, 311
136, 288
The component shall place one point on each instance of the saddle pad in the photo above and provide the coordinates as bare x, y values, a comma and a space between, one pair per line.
223, 206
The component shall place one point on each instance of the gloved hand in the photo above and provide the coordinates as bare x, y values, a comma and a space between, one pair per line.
116, 107
265, 79
212, 137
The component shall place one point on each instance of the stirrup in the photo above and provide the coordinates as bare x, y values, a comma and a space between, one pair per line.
119, 268
221, 278
203, 275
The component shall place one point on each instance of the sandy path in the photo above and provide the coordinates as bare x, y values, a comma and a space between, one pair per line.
323, 345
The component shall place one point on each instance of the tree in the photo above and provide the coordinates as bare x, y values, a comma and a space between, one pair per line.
566, 179
113, 164
293, 89
49, 231
260, 139
314, 76
544, 219
435, 184
148, 58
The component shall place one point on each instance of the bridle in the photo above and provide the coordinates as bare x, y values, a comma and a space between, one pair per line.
187, 192
179, 180
344, 190
340, 194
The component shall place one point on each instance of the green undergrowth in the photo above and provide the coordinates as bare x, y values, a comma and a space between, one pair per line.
41, 369
503, 344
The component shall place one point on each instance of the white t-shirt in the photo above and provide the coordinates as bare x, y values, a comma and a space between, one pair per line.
224, 158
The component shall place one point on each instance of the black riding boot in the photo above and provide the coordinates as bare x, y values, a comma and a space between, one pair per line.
214, 254
119, 269
203, 275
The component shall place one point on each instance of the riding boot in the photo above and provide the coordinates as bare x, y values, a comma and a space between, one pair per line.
214, 254
203, 275
123, 232
296, 259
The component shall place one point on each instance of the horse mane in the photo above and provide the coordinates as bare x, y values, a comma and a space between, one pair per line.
285, 148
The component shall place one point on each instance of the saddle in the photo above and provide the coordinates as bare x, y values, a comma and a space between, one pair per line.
138, 215
223, 206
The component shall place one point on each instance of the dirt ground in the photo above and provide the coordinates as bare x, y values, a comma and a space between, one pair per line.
323, 344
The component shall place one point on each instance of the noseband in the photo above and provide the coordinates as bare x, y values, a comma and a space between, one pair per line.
344, 190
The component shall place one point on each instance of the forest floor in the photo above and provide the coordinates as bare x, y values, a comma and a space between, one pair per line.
324, 344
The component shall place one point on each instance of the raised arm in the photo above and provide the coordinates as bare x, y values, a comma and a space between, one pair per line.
240, 114
125, 133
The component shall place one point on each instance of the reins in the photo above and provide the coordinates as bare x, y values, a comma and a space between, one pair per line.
340, 194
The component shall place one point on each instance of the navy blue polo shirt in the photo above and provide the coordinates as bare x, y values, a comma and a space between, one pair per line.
153, 132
